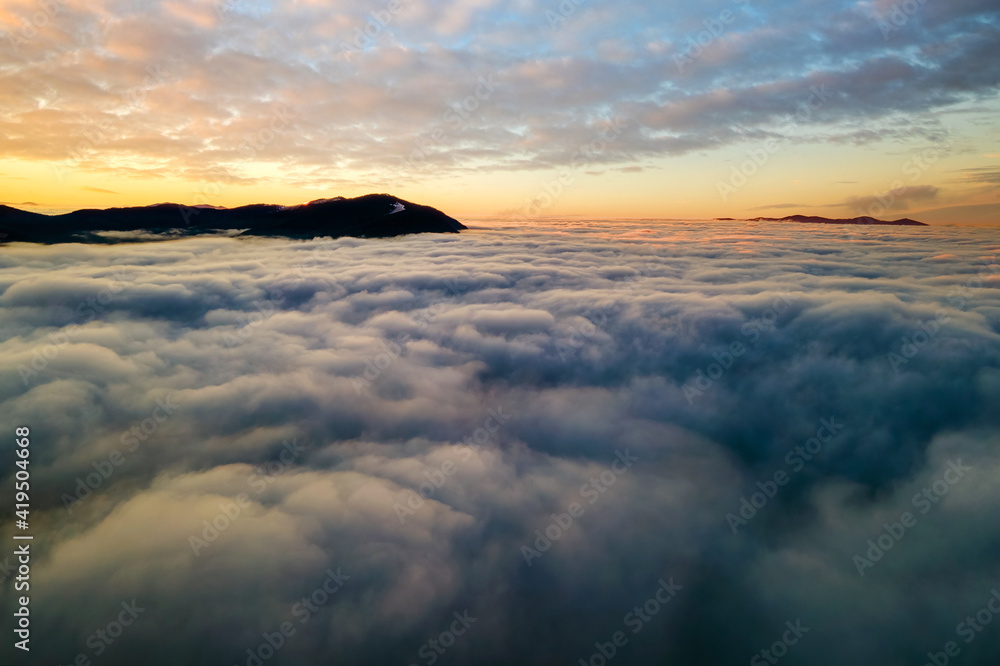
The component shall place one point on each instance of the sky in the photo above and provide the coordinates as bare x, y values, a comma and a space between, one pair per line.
516, 108
222, 427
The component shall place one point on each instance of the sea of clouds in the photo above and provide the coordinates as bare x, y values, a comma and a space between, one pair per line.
634, 442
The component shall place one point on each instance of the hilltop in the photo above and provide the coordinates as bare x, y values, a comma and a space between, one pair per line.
369, 216
866, 220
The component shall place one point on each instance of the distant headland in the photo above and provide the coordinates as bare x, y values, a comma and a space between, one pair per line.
369, 216
814, 219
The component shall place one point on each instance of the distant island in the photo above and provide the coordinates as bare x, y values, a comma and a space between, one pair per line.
369, 216
814, 219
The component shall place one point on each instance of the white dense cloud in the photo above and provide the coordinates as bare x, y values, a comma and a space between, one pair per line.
651, 377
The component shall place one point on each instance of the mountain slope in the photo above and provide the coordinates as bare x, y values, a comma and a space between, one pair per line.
865, 220
371, 216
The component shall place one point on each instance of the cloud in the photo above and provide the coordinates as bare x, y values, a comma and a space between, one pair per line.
780, 206
174, 90
97, 189
414, 411
899, 198
985, 175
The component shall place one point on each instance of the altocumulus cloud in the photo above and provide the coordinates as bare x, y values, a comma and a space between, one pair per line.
152, 67
585, 344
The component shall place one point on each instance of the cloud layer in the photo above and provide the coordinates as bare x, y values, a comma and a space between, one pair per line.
531, 427
367, 93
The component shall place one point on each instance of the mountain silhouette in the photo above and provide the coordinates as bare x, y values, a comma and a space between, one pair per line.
866, 220
369, 216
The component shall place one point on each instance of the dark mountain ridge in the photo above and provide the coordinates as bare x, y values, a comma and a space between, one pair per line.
368, 216
815, 219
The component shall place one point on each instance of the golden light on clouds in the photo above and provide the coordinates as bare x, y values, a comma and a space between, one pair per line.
123, 103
